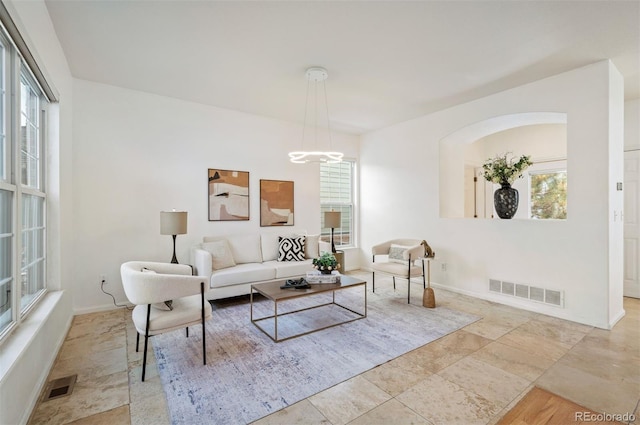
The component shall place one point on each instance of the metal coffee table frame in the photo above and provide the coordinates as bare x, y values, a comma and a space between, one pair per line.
272, 291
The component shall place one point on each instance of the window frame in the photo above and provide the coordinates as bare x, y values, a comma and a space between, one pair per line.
14, 72
325, 233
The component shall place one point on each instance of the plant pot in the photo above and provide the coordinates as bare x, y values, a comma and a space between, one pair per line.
325, 271
505, 201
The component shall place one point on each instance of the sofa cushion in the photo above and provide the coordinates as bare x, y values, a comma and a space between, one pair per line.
311, 246
287, 269
245, 248
221, 255
269, 244
291, 249
242, 273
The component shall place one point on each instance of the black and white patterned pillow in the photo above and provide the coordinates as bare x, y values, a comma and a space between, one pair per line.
291, 249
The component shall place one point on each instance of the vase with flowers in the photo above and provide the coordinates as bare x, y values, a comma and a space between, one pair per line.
504, 170
326, 263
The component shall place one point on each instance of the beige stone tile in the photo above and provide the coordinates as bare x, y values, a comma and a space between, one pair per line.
496, 418
560, 331
589, 390
513, 360
441, 353
396, 376
117, 416
536, 344
348, 400
492, 383
91, 365
623, 365
614, 340
391, 412
489, 328
101, 325
93, 343
88, 398
151, 387
301, 413
443, 402
149, 411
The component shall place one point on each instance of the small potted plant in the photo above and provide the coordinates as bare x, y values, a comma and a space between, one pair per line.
326, 263
504, 170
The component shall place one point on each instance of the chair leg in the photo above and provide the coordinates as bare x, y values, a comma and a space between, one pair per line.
187, 328
409, 280
394, 283
204, 343
137, 340
146, 341
373, 280
424, 281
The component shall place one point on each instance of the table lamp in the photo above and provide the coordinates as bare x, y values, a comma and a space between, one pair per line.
332, 220
173, 223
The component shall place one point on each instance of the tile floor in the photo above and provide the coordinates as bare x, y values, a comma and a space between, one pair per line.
472, 376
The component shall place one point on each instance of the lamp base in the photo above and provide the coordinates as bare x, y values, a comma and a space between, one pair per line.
174, 260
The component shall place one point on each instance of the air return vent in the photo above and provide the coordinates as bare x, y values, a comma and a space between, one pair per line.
60, 387
532, 293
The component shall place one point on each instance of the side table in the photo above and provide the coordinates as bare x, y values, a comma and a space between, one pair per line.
340, 258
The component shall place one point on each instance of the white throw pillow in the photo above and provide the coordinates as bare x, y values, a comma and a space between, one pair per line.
245, 248
291, 249
220, 254
395, 253
311, 246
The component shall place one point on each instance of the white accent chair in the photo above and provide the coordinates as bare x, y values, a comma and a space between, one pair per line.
401, 255
148, 285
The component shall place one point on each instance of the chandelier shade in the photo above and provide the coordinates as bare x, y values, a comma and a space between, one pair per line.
315, 76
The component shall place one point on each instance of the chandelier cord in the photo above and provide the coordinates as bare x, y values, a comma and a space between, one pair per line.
304, 121
326, 104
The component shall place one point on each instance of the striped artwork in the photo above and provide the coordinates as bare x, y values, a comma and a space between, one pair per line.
291, 249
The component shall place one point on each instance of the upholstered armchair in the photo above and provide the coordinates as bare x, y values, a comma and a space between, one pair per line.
400, 261
166, 297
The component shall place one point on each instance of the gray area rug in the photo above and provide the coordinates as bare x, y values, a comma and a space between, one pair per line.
248, 376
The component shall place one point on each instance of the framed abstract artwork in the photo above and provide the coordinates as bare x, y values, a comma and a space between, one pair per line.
276, 203
228, 195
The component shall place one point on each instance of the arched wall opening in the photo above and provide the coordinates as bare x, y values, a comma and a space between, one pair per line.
455, 161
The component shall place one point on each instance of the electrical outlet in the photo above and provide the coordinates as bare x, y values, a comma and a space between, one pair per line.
443, 267
102, 279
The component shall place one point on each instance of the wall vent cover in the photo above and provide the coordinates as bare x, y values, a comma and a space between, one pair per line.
60, 387
532, 293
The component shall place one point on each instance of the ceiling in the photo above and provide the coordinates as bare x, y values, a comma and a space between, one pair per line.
388, 61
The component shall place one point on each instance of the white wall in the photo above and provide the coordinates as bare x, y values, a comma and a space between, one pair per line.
27, 355
400, 198
136, 154
632, 124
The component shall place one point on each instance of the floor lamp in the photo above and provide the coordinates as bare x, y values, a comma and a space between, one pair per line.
332, 220
173, 223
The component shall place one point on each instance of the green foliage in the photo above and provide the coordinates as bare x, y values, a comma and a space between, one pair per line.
326, 261
549, 195
503, 169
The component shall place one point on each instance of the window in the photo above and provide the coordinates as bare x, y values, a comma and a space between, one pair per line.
548, 194
336, 194
22, 189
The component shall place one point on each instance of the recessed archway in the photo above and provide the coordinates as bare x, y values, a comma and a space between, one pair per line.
452, 153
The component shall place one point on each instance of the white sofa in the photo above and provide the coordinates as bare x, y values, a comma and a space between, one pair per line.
232, 263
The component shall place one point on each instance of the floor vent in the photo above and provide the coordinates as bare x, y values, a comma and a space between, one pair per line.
60, 387
533, 293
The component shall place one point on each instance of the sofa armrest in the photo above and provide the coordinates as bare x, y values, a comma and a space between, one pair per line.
203, 262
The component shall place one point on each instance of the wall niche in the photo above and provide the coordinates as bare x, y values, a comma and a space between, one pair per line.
464, 193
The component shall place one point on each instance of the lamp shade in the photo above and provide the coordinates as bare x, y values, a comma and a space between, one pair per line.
332, 219
173, 222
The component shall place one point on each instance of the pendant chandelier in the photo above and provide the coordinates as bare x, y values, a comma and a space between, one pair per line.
315, 77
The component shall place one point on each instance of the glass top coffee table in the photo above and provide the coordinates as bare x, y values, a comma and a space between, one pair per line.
273, 292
